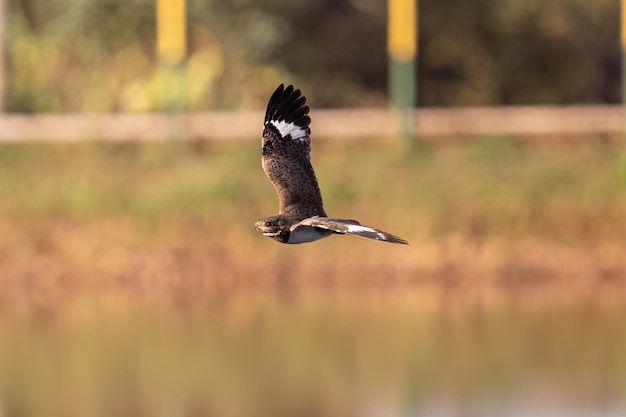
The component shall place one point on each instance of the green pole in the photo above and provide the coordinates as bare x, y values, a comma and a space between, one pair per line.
402, 25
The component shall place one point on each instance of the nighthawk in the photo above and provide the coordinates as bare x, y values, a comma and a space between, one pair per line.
287, 162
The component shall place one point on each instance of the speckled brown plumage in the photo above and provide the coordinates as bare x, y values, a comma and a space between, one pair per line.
287, 162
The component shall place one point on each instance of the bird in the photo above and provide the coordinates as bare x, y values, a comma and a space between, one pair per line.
286, 160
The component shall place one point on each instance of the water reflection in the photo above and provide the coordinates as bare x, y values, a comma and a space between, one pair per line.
529, 407
340, 353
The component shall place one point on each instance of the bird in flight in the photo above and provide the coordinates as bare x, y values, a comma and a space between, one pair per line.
287, 162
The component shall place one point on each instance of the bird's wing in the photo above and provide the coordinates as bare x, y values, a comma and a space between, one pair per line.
349, 227
287, 154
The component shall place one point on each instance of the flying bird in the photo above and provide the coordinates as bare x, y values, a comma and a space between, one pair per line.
287, 162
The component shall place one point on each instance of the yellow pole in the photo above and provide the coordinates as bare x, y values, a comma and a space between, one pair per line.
402, 29
402, 32
171, 30
172, 50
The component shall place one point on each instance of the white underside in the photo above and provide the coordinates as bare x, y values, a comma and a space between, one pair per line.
304, 234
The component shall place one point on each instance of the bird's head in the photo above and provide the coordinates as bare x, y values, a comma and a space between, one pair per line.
275, 227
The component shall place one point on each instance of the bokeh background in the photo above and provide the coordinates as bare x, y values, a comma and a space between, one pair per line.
132, 282
99, 56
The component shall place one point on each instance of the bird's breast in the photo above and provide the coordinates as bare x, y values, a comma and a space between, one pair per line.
304, 234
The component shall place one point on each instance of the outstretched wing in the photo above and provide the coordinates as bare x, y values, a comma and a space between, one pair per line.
287, 154
349, 227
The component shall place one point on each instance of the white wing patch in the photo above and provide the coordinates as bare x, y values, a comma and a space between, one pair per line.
292, 129
356, 228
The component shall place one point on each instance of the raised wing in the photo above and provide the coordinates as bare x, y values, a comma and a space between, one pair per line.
349, 227
287, 154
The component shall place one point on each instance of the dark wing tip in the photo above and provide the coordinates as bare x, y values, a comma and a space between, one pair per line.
371, 233
289, 105
395, 239
382, 236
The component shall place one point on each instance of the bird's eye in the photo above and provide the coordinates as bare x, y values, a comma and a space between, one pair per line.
268, 224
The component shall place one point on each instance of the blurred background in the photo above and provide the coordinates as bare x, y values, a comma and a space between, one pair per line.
100, 56
132, 281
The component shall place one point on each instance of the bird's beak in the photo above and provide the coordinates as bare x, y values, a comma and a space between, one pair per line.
260, 226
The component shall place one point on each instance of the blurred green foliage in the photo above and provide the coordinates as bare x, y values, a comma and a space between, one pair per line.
98, 55
494, 186
519, 52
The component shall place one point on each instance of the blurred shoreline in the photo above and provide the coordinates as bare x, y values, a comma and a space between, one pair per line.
530, 122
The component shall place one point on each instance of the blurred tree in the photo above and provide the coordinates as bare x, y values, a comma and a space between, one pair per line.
519, 52
99, 55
